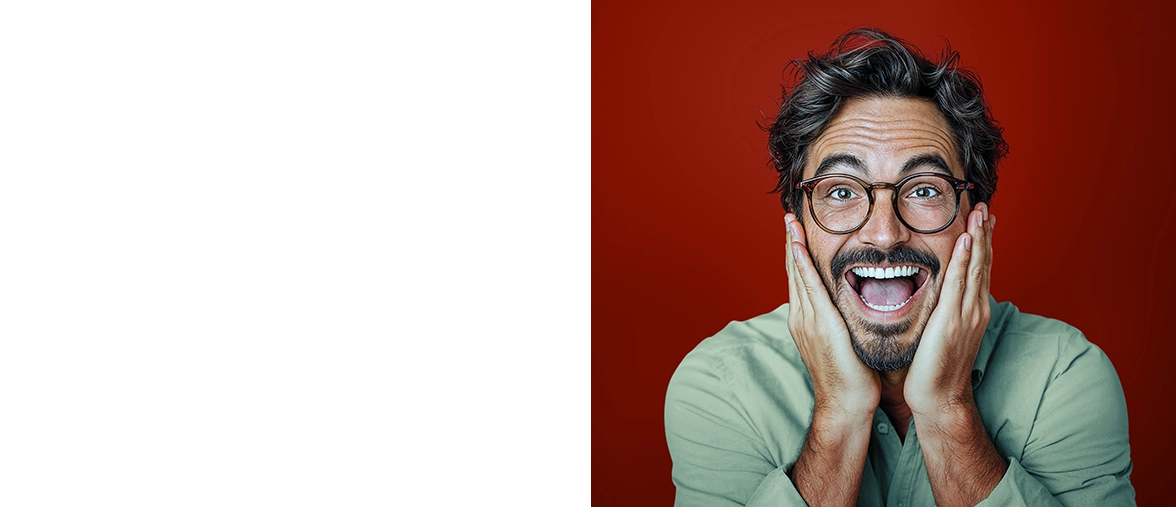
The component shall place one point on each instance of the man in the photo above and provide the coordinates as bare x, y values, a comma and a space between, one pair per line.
892, 377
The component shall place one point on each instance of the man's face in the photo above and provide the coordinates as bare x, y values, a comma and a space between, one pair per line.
883, 140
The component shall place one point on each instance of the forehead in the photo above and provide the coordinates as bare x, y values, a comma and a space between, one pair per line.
884, 134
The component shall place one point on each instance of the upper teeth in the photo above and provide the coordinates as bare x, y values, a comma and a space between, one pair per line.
886, 272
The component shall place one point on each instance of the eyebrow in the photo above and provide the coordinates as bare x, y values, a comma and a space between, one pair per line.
844, 159
935, 161
828, 163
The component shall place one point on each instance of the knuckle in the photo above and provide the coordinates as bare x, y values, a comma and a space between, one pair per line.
798, 266
976, 273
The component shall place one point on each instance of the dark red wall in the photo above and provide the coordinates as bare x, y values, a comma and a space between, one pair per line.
685, 237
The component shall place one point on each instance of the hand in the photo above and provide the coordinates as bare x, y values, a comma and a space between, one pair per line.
940, 377
842, 383
962, 463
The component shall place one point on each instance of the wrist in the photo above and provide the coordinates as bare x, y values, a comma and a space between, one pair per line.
953, 417
834, 432
944, 403
848, 401
842, 418
962, 462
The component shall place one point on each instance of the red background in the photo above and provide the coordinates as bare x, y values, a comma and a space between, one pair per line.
685, 237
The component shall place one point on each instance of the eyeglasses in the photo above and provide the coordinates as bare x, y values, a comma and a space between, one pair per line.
924, 202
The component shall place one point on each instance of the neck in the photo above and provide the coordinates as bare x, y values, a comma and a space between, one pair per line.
893, 403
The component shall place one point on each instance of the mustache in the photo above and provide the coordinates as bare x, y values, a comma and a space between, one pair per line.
900, 254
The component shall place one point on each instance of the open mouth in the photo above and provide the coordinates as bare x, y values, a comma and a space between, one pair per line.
887, 288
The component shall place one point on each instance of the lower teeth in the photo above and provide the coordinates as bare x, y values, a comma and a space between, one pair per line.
887, 308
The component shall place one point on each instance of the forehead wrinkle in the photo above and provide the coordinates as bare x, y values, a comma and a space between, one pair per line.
884, 130
868, 121
867, 142
863, 132
858, 139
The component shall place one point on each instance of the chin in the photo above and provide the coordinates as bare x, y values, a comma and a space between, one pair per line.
886, 340
886, 347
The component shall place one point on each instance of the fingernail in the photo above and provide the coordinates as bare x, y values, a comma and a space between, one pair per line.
986, 211
791, 235
968, 243
795, 251
993, 224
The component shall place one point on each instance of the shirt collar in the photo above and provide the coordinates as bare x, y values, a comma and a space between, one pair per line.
996, 322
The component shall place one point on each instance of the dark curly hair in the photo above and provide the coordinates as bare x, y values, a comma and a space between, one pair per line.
872, 63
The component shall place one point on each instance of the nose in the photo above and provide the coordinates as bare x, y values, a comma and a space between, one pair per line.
883, 229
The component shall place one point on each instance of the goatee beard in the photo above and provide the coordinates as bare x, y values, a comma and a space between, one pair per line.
880, 349
878, 345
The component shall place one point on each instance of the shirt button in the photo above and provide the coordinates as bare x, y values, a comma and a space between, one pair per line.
883, 429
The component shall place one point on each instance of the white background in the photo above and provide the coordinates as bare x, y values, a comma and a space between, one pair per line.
294, 253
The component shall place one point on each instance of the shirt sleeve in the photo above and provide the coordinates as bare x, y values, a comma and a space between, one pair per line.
1018, 488
1077, 452
719, 458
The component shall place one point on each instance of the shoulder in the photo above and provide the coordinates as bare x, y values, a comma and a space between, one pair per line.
1055, 403
1032, 343
744, 389
743, 355
1046, 382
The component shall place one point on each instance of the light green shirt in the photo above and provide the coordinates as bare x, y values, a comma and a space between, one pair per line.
740, 404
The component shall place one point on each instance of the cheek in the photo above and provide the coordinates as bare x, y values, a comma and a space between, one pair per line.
944, 242
941, 246
822, 249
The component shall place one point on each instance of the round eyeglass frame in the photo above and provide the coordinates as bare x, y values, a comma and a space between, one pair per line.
957, 184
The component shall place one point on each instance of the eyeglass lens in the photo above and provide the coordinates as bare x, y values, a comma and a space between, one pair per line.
925, 203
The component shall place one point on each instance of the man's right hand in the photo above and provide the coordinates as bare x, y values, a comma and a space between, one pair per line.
828, 471
843, 385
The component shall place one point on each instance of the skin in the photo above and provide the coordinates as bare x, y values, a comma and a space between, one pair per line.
948, 317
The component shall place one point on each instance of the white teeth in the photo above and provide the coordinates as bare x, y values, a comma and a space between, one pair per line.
888, 308
884, 273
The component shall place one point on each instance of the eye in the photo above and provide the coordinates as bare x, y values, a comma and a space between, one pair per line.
842, 193
925, 192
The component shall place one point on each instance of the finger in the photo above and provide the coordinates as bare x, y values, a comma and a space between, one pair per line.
798, 251
788, 261
988, 266
955, 281
803, 264
796, 289
977, 282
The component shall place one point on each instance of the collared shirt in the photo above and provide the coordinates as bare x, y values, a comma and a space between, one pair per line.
740, 404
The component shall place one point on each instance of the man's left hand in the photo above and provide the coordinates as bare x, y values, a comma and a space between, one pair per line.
940, 376
962, 463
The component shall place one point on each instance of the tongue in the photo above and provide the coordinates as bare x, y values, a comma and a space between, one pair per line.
888, 292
